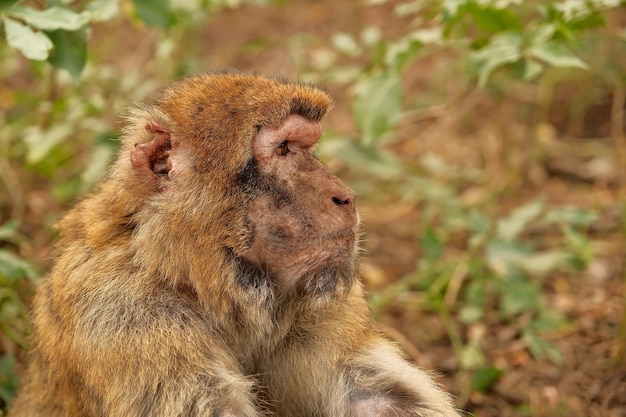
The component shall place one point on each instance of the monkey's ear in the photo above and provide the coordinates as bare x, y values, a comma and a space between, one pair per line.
151, 160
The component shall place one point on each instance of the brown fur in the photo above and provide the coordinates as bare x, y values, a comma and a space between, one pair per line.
207, 276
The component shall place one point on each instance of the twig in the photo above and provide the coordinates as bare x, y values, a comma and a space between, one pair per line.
455, 283
14, 189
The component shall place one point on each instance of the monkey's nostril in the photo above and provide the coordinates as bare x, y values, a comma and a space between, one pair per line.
340, 202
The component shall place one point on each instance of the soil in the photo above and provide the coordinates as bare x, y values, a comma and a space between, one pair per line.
480, 131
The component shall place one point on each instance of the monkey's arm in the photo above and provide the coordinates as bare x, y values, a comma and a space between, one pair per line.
381, 383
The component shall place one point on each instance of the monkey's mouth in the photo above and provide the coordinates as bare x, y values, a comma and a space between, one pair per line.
347, 233
340, 243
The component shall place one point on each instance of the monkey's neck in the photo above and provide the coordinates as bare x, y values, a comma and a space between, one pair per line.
265, 315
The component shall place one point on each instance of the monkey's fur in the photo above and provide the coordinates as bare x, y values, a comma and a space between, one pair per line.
212, 273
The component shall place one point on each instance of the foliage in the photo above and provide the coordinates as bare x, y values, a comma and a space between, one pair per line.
487, 269
56, 33
14, 323
523, 38
476, 265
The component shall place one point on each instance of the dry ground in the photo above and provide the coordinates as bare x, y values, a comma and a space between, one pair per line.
475, 130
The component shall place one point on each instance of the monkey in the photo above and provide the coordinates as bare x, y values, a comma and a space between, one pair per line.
213, 272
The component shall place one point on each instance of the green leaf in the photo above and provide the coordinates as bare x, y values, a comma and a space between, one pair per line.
480, 227
377, 162
504, 48
476, 293
470, 314
580, 247
427, 36
99, 161
485, 377
556, 54
478, 222
541, 34
591, 21
399, 54
549, 321
545, 262
101, 10
431, 244
40, 143
510, 227
532, 69
493, 20
8, 231
377, 105
5, 4
519, 296
346, 44
503, 256
541, 348
370, 36
452, 12
8, 378
471, 356
155, 12
451, 7
34, 45
583, 14
576, 217
53, 18
13, 268
70, 51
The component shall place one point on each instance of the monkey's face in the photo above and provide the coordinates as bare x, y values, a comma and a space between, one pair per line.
219, 184
303, 218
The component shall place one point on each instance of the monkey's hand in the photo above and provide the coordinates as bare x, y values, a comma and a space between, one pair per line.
385, 385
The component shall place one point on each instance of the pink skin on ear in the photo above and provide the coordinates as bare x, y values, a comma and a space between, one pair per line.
151, 160
156, 128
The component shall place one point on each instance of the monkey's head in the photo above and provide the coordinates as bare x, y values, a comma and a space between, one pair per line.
228, 180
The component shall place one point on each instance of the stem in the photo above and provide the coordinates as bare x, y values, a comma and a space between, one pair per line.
457, 345
45, 116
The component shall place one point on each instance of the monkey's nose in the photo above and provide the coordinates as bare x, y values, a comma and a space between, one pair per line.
344, 199
341, 202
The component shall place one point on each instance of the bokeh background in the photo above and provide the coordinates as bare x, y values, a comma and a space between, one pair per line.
485, 140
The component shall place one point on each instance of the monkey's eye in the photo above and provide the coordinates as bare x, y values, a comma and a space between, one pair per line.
282, 149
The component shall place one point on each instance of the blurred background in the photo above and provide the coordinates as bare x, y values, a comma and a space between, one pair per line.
485, 140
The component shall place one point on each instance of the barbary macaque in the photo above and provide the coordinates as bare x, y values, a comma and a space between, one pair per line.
213, 273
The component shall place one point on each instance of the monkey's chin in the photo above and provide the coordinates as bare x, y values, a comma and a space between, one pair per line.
328, 267
318, 271
332, 278
309, 265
